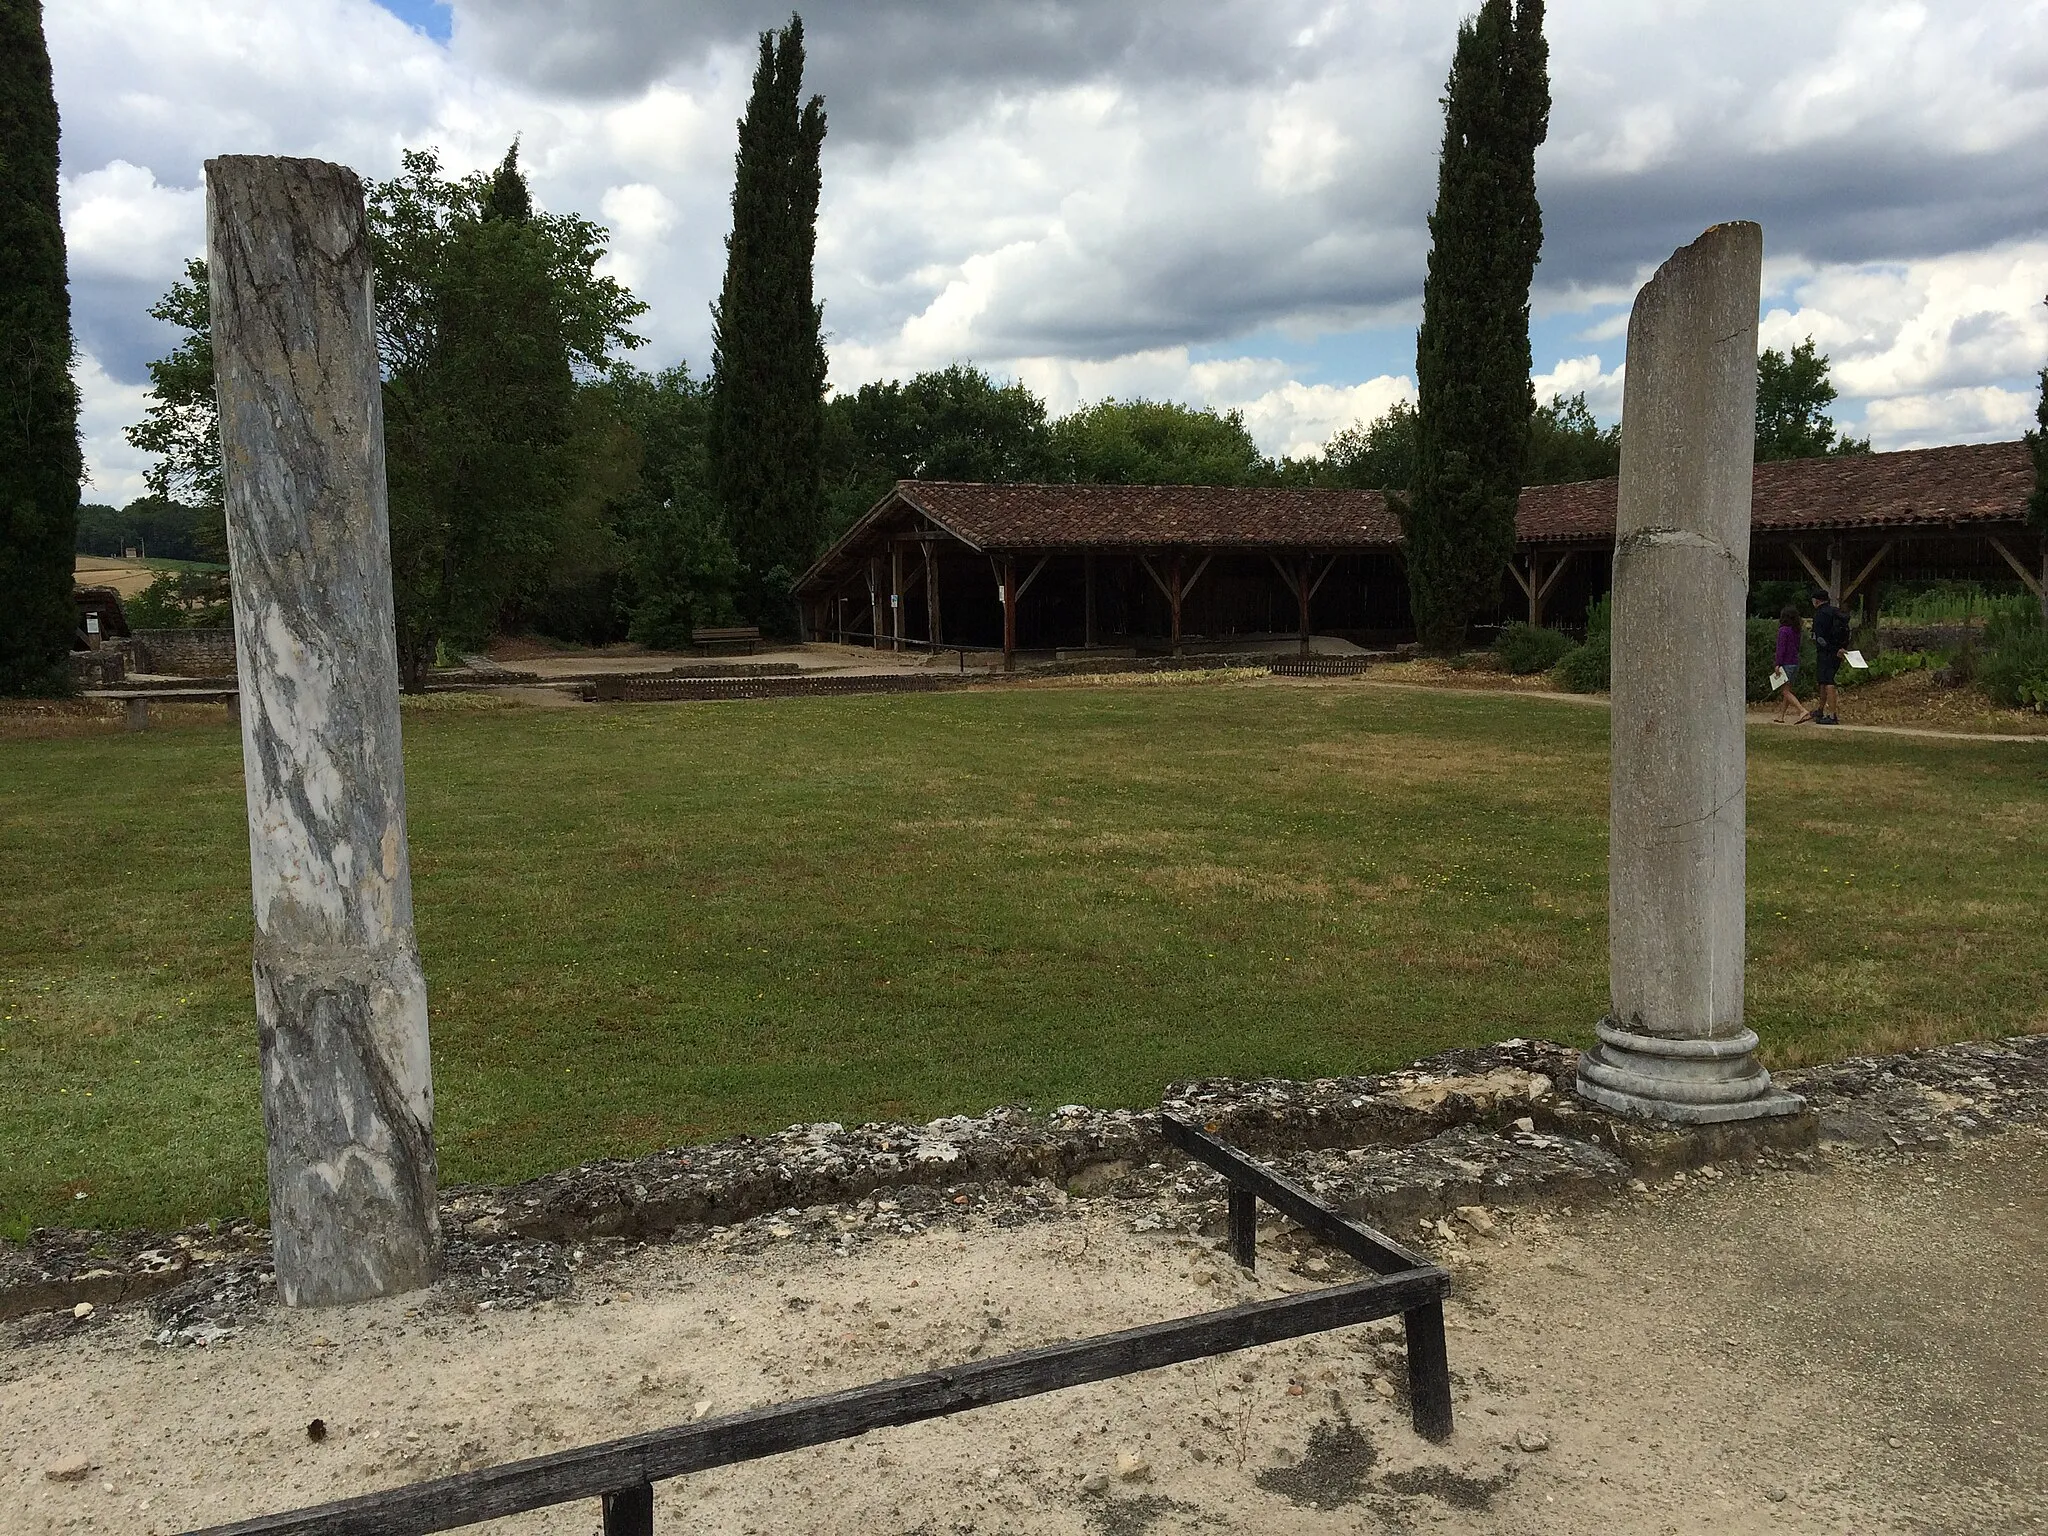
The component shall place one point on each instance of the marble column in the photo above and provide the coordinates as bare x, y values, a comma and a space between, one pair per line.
341, 1004
1675, 1048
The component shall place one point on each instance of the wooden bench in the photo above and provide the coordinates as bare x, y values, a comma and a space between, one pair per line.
138, 700
745, 638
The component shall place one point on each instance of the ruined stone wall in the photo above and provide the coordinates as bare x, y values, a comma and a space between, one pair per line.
186, 652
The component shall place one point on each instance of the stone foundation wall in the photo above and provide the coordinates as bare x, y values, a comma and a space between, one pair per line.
186, 652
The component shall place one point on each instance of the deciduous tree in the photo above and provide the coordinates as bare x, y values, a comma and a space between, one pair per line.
182, 424
487, 310
1793, 393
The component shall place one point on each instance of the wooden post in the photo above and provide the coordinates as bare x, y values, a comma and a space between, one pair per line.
1088, 598
874, 603
1835, 572
931, 597
1009, 590
1173, 601
1301, 590
341, 1003
1244, 1227
895, 596
629, 1511
1535, 590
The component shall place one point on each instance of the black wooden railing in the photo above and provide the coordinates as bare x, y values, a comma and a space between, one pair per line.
622, 1473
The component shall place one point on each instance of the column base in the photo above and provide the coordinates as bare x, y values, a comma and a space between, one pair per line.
1680, 1082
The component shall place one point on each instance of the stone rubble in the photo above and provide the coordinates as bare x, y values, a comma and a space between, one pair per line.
1444, 1148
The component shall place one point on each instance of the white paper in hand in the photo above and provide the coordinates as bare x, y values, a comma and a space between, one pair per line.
1855, 659
1778, 678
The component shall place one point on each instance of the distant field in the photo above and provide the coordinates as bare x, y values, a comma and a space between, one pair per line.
129, 578
665, 923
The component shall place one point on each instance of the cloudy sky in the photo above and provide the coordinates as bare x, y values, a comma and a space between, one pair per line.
1222, 201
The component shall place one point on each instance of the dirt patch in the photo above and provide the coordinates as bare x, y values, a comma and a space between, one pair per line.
1332, 1472
1855, 1347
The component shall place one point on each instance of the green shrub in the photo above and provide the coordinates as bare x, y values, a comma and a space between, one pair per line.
1524, 648
1586, 668
1886, 664
182, 600
2014, 670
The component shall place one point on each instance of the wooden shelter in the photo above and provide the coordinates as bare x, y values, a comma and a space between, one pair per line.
1089, 567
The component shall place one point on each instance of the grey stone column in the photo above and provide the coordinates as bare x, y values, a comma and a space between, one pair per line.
341, 1004
1675, 1047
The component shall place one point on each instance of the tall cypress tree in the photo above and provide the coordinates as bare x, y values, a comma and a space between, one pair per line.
765, 433
39, 459
1472, 352
2037, 443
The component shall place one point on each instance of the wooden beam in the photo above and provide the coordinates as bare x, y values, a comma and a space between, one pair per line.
1864, 575
2034, 584
1811, 569
931, 598
1329, 565
1025, 585
1173, 601
635, 1461
1158, 581
1564, 559
896, 597
1524, 581
1088, 598
1009, 614
1189, 585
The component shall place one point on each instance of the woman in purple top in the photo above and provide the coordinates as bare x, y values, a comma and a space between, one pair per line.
1788, 661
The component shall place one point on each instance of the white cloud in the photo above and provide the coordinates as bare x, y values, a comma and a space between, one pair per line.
105, 408
119, 222
1981, 415
1923, 347
1085, 192
1583, 375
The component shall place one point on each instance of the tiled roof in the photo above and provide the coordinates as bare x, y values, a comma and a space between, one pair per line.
1926, 489
1069, 516
1921, 488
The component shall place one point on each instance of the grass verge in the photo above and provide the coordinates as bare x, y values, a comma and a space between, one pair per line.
654, 924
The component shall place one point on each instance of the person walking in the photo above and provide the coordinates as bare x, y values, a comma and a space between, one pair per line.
1830, 639
1788, 666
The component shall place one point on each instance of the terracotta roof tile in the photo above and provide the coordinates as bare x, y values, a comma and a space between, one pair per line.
1920, 487
1927, 488
1038, 516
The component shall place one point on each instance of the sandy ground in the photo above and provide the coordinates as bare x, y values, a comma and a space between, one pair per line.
1855, 1349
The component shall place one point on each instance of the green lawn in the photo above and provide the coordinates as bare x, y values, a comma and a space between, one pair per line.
665, 923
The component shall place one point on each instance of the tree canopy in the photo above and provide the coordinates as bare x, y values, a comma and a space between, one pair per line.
2037, 443
1154, 442
1474, 398
40, 462
1793, 393
487, 313
182, 424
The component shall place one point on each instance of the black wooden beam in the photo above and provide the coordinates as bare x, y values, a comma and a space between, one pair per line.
1375, 1250
620, 1470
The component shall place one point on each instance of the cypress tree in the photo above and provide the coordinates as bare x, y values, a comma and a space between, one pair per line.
40, 463
1472, 351
765, 432
2037, 443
